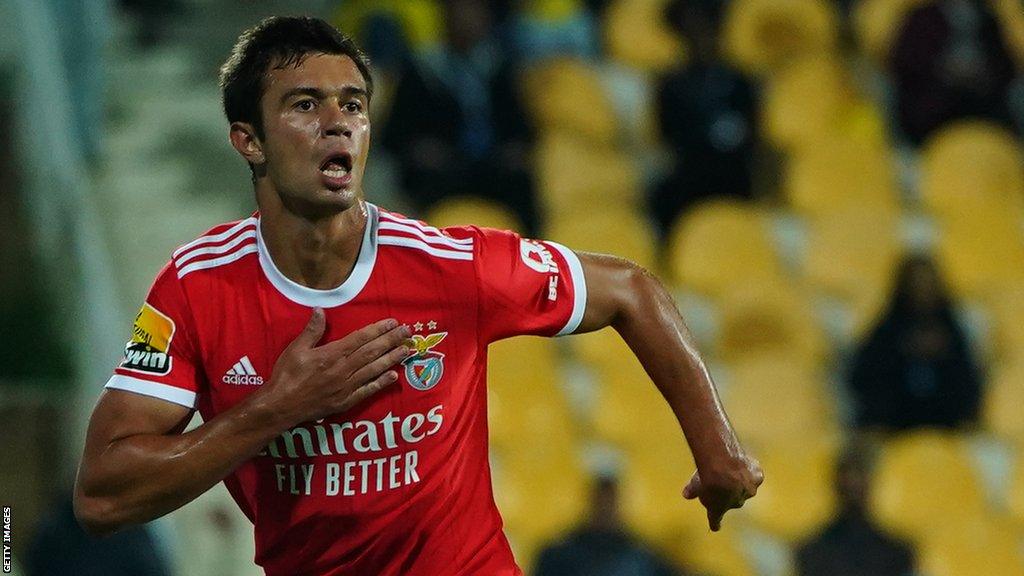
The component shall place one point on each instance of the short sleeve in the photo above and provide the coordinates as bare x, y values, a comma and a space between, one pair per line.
160, 357
527, 286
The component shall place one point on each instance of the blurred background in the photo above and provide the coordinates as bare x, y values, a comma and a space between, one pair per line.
833, 189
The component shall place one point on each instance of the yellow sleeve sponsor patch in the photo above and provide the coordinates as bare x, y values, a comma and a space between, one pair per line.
148, 350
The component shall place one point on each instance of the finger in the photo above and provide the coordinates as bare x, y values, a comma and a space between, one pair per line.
715, 520
380, 346
692, 488
372, 387
381, 364
313, 331
359, 338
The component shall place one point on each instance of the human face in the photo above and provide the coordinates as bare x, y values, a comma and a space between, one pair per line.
316, 134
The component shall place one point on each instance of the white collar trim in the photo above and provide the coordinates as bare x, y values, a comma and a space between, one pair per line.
337, 296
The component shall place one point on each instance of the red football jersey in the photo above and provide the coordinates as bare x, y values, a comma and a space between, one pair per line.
400, 484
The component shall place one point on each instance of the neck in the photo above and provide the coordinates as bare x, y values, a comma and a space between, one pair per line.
318, 253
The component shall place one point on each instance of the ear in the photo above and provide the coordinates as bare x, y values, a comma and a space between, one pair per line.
247, 143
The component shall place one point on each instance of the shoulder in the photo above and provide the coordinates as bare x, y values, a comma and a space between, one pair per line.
219, 246
450, 243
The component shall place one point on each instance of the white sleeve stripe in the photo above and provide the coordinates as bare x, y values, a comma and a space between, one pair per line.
173, 394
579, 286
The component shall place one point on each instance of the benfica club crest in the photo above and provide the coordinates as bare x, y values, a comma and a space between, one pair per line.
424, 368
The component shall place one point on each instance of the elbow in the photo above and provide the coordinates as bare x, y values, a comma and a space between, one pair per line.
638, 289
97, 516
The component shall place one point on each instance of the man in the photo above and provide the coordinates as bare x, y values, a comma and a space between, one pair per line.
853, 545
337, 351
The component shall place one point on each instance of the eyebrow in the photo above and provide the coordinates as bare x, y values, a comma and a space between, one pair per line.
348, 90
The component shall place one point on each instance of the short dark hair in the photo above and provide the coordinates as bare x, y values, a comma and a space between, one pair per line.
278, 41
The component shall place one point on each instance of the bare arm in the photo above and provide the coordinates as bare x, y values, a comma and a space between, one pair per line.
626, 297
137, 465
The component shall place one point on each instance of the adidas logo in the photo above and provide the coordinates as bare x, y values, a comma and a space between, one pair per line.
242, 373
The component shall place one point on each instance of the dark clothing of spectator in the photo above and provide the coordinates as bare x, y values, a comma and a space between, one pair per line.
457, 128
949, 62
852, 546
589, 552
707, 117
60, 547
916, 368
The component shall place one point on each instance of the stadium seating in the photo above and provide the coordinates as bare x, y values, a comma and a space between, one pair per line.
979, 547
1011, 17
981, 252
813, 100
721, 243
838, 173
777, 401
760, 36
799, 498
876, 23
970, 166
721, 553
1004, 402
1015, 496
767, 317
1006, 310
466, 211
637, 35
629, 410
576, 174
574, 100
925, 480
421, 20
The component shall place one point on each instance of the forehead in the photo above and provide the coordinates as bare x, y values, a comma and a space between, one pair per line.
329, 72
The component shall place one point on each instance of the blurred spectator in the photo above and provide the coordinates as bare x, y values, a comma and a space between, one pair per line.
602, 546
852, 545
60, 547
153, 18
457, 126
707, 115
916, 368
950, 61
550, 29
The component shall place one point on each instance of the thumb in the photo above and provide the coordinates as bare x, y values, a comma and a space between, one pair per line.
692, 489
313, 331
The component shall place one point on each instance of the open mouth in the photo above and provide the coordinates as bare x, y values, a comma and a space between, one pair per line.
337, 166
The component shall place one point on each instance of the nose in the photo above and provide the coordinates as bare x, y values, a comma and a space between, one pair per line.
335, 121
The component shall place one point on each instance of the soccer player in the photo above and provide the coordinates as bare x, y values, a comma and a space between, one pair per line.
337, 351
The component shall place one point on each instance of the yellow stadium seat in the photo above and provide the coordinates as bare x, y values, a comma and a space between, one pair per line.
524, 396
571, 100
774, 401
1015, 497
767, 317
762, 35
465, 211
574, 174
721, 243
851, 255
798, 497
1006, 311
840, 173
619, 232
979, 547
971, 166
629, 411
637, 35
652, 493
1011, 19
812, 102
876, 24
421, 20
551, 10
981, 252
539, 498
1004, 402
719, 553
926, 480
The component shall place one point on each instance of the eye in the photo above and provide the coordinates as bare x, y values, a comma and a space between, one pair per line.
354, 106
305, 105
